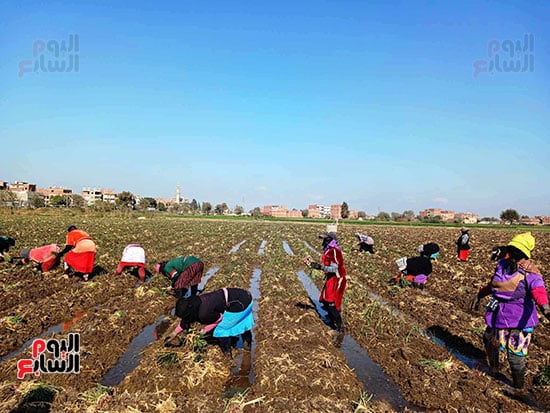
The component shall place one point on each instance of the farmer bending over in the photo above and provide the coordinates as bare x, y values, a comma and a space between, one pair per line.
133, 256
366, 243
46, 257
5, 244
226, 313
463, 245
80, 250
417, 269
183, 272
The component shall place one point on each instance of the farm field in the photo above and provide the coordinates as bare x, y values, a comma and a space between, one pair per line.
426, 342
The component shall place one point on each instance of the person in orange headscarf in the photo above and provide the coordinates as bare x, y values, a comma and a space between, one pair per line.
80, 252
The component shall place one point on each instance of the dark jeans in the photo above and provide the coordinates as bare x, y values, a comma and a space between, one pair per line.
366, 247
226, 343
181, 292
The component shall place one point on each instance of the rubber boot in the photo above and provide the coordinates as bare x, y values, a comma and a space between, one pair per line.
335, 316
517, 366
492, 356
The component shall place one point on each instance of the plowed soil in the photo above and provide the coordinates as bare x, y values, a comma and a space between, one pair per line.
295, 365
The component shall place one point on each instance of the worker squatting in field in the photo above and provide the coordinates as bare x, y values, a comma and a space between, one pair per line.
416, 270
133, 256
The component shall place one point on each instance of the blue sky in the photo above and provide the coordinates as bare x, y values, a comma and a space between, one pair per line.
370, 102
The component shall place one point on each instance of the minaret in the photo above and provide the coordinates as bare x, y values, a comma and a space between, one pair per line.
178, 194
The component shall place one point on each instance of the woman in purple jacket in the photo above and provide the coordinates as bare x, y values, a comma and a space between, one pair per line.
511, 315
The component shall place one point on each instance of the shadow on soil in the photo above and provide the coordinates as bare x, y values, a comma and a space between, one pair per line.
466, 352
37, 400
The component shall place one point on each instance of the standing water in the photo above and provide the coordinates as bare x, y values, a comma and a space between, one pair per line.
209, 274
132, 356
262, 247
236, 247
309, 247
287, 248
65, 325
374, 380
242, 375
310, 287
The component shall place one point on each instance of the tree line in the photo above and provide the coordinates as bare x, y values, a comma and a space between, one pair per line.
127, 201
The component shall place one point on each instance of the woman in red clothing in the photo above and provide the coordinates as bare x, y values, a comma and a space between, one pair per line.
332, 263
46, 258
80, 250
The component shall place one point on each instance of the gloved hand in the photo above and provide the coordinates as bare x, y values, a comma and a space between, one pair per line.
546, 311
474, 304
315, 265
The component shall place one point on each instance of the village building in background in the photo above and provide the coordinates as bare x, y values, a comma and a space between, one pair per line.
280, 211
48, 193
449, 216
466, 217
318, 211
92, 195
25, 194
336, 212
538, 220
23, 191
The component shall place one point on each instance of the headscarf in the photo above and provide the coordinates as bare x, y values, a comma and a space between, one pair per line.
188, 309
333, 240
431, 250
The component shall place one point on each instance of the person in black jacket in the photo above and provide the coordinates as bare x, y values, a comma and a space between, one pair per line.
226, 314
463, 245
5, 244
416, 270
